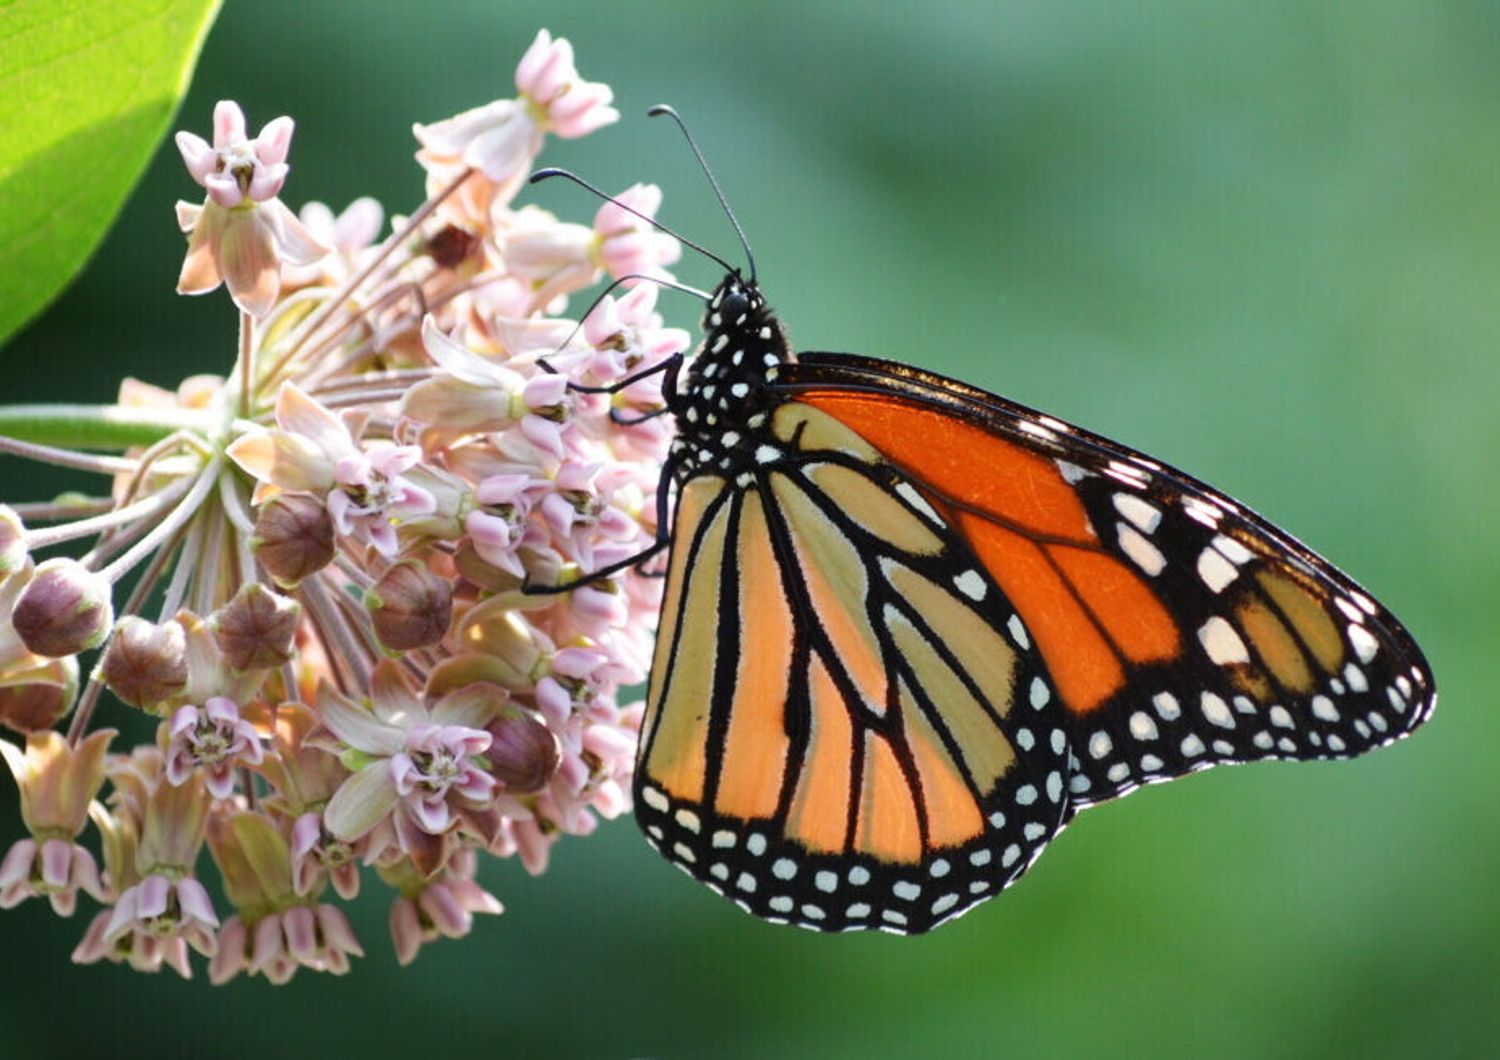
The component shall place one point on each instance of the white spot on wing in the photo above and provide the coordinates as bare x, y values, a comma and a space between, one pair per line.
1222, 643
1215, 571
1144, 515
1142, 552
971, 584
1364, 644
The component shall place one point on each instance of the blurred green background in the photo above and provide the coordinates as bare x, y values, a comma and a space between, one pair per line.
1259, 240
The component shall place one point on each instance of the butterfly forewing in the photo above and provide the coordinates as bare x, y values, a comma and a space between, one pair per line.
1180, 630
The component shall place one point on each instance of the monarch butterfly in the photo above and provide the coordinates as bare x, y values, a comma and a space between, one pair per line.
911, 628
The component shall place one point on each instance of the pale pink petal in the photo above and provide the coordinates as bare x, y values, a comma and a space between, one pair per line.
274, 139
285, 460
358, 727
361, 802
247, 258
229, 123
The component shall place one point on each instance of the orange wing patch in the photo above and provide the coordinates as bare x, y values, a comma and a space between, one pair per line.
1090, 613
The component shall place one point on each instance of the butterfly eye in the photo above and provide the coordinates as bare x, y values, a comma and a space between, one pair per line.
734, 304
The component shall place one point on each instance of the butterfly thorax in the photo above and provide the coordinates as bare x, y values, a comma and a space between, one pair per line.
724, 402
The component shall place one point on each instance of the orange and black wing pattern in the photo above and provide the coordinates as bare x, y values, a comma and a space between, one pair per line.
917, 627
1179, 629
847, 726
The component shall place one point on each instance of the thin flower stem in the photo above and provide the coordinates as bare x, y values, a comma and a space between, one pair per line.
234, 504
315, 596
148, 579
47, 454
187, 566
373, 397
396, 377
168, 526
318, 319
247, 363
52, 511
140, 510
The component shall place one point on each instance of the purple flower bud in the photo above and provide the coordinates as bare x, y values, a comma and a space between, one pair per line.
410, 607
293, 537
12, 542
256, 629
65, 609
43, 700
146, 664
523, 753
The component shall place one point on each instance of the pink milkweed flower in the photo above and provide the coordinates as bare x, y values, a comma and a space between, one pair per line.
501, 138
162, 908
443, 907
275, 931
625, 244
57, 782
420, 770
471, 392
278, 944
313, 450
500, 525
242, 232
349, 235
215, 738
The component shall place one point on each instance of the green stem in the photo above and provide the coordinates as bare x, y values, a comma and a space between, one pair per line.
100, 426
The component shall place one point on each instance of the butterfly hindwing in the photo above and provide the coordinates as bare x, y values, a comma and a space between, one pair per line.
846, 727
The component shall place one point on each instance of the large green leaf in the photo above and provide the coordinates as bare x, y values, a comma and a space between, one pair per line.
86, 91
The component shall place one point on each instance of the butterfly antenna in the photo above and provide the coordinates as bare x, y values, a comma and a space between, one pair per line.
546, 174
662, 108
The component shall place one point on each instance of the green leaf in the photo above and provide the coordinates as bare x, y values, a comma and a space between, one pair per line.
88, 89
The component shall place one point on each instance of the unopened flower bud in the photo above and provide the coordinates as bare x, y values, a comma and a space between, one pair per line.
523, 753
452, 246
410, 607
146, 664
64, 610
40, 698
256, 629
12, 542
293, 537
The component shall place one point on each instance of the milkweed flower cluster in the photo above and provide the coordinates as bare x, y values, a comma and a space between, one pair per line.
317, 575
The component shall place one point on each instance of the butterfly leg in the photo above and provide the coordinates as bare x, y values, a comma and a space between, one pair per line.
662, 542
